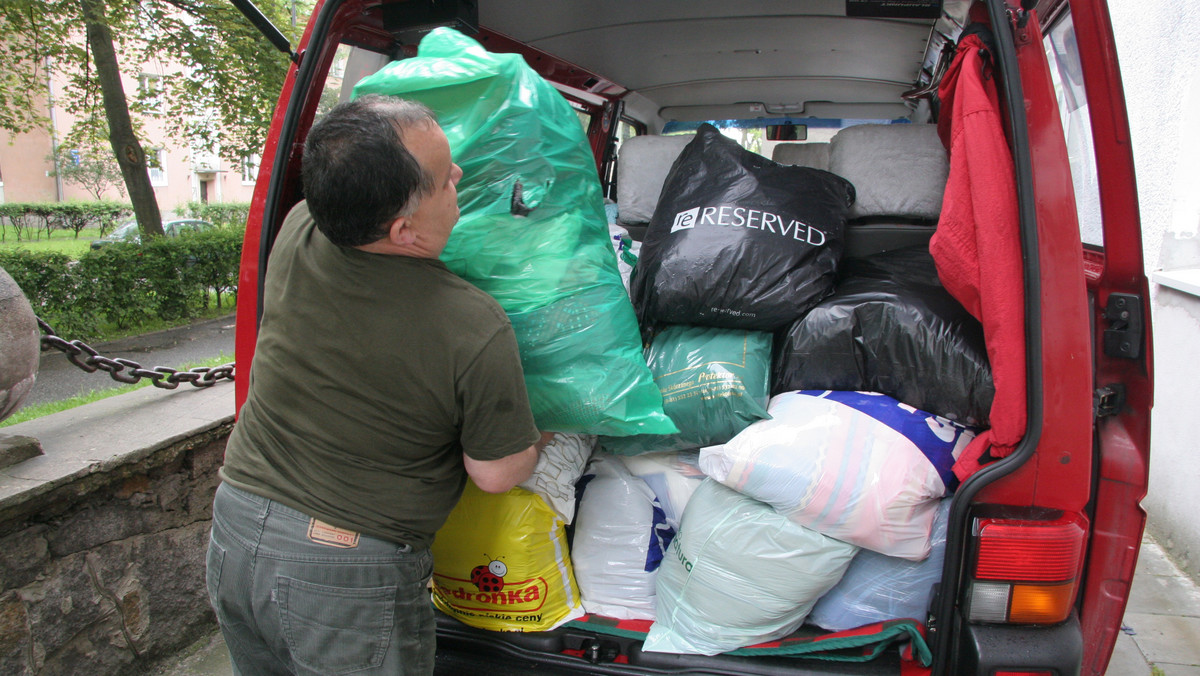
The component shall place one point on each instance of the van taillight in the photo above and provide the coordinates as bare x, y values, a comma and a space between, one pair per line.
1026, 572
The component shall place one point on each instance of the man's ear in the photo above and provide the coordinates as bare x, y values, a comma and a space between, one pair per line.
400, 232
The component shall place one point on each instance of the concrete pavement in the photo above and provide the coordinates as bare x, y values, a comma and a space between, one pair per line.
1160, 636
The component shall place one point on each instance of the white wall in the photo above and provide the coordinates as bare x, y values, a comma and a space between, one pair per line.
1158, 45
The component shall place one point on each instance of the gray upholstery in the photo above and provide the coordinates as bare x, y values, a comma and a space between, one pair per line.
642, 167
815, 155
898, 170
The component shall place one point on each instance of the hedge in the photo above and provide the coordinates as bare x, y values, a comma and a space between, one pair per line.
30, 219
225, 214
125, 283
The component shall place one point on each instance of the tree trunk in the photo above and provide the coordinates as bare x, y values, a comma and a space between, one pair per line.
130, 156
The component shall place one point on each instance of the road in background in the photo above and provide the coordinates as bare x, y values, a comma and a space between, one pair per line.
59, 379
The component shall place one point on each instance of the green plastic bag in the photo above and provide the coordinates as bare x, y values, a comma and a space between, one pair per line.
715, 382
533, 233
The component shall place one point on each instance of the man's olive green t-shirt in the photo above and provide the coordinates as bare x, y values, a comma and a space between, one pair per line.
372, 375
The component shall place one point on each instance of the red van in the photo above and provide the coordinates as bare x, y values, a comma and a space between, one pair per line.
1044, 530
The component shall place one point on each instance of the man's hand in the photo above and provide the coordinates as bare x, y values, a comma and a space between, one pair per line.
498, 476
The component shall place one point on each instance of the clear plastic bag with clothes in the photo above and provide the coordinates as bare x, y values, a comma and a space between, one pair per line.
533, 233
877, 587
857, 466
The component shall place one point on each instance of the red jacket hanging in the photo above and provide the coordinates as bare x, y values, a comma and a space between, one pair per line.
977, 245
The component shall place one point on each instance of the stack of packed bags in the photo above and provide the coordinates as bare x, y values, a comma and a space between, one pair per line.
827, 503
738, 447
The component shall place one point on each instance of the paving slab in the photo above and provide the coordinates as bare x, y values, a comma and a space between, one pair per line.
1127, 659
1166, 638
1163, 595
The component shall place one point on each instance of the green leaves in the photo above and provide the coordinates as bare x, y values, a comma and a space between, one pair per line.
221, 78
123, 284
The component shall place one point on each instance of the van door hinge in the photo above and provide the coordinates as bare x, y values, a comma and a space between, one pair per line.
1123, 338
1108, 400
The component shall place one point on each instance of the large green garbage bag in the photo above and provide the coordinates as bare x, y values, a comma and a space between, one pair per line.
533, 233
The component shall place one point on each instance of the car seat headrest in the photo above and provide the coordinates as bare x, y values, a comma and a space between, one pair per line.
815, 155
642, 168
898, 170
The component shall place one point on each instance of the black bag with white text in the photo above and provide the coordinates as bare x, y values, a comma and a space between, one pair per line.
739, 241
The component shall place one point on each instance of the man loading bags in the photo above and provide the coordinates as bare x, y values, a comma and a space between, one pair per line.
381, 381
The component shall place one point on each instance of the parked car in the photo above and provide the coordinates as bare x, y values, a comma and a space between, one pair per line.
129, 232
1044, 533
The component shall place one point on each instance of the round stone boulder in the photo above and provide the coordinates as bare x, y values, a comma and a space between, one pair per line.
20, 345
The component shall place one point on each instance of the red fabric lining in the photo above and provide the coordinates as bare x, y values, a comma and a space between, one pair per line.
977, 243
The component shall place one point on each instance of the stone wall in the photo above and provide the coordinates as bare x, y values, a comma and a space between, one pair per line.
105, 574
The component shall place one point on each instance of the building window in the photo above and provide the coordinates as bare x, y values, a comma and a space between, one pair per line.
150, 92
156, 159
250, 168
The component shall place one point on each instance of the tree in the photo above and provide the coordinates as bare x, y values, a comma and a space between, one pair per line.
220, 99
95, 170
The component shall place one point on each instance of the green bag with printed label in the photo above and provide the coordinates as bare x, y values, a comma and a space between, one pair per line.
714, 382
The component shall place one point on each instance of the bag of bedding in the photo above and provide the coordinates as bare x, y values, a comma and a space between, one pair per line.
857, 466
739, 573
673, 477
877, 588
621, 534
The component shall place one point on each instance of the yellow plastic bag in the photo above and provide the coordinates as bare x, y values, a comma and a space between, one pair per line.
501, 563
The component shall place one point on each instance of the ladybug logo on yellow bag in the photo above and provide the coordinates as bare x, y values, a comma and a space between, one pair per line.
492, 592
489, 578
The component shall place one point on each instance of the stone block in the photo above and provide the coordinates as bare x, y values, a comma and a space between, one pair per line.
15, 449
14, 636
25, 553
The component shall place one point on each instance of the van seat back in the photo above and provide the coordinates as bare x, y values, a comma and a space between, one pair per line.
642, 167
899, 174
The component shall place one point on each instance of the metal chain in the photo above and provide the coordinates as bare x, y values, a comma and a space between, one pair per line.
129, 371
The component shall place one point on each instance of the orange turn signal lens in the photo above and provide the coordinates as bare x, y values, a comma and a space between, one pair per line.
1041, 604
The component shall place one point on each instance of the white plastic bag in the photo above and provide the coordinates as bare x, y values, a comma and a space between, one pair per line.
621, 535
559, 467
856, 466
739, 573
673, 477
877, 587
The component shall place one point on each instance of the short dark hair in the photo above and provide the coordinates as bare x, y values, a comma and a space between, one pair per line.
358, 175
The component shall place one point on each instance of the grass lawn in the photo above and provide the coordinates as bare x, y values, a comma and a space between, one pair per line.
59, 240
111, 332
39, 410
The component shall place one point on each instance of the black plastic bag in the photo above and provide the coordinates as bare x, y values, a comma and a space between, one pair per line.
891, 328
739, 241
